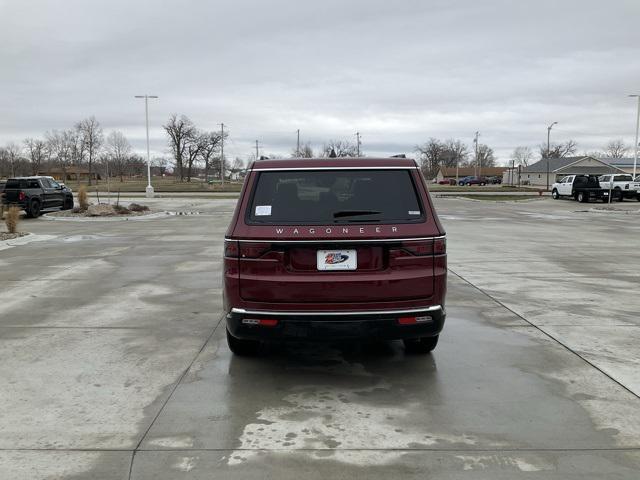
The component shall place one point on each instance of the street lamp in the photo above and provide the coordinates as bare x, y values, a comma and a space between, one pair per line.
149, 189
635, 145
549, 149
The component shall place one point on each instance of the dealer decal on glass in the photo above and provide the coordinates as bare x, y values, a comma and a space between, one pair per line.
337, 260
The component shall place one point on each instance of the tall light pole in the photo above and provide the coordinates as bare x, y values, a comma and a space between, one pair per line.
149, 189
298, 144
549, 149
358, 144
222, 155
635, 145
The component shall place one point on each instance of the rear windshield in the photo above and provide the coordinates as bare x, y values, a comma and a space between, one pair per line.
21, 183
335, 196
15, 184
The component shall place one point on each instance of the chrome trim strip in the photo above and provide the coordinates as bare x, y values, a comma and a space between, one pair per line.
432, 308
280, 169
330, 240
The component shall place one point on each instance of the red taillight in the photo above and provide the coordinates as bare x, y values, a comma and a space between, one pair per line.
21, 196
253, 249
263, 322
231, 249
420, 248
414, 320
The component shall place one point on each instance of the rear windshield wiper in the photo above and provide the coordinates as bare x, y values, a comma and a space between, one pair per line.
354, 213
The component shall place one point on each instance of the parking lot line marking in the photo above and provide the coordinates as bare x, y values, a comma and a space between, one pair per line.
541, 330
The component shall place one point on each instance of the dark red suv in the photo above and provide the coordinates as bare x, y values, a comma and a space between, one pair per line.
334, 249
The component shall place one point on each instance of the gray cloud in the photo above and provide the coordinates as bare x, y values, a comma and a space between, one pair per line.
399, 72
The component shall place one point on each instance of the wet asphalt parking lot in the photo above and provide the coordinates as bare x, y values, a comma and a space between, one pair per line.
114, 362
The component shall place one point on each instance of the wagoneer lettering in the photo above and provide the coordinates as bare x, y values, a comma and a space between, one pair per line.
350, 248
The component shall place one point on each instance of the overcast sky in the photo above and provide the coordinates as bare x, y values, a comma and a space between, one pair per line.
397, 71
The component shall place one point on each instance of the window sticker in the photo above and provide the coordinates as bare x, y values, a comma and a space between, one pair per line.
414, 212
263, 210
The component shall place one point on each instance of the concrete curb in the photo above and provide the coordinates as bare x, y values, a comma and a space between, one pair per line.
123, 218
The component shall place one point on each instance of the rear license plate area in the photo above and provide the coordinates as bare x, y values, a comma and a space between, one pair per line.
337, 259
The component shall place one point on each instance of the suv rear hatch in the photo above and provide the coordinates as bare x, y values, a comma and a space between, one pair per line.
332, 236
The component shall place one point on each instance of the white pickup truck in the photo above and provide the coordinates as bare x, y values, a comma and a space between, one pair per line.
621, 185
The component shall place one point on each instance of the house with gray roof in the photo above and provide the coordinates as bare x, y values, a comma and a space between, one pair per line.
625, 164
536, 174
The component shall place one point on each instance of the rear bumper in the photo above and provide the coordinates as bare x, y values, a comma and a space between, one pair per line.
313, 325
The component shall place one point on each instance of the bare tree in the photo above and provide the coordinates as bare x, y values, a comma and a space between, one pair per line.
91, 138
161, 163
12, 160
305, 151
521, 156
37, 153
616, 149
430, 156
454, 152
181, 132
237, 166
435, 154
61, 145
486, 157
342, 148
195, 143
118, 151
209, 145
559, 150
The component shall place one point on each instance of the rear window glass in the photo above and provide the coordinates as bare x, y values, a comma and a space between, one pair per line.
335, 196
16, 184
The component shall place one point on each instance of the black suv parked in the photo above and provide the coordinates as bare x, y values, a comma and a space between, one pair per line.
34, 194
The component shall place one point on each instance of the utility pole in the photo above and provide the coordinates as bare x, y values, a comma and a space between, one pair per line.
257, 154
358, 143
475, 141
635, 145
149, 189
298, 145
549, 149
222, 155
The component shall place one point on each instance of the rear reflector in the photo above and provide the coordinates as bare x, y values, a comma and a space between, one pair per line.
414, 320
263, 322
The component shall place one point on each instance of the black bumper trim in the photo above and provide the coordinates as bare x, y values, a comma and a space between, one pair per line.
331, 326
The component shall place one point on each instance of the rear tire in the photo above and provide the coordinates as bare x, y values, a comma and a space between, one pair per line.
243, 348
420, 345
617, 195
582, 198
34, 209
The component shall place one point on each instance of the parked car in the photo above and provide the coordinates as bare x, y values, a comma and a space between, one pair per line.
581, 188
334, 249
493, 180
35, 194
472, 181
621, 185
